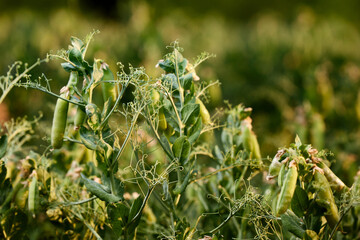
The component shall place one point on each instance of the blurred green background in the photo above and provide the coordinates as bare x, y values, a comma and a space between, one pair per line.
296, 63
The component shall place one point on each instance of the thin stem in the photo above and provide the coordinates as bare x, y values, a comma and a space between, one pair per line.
73, 140
338, 223
18, 78
203, 90
78, 202
161, 202
112, 181
88, 42
92, 230
181, 126
58, 96
143, 204
158, 138
115, 105
126, 139
215, 172
91, 93
10, 196
88, 226
181, 90
222, 224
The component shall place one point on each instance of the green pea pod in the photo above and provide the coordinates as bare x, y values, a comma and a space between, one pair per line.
169, 131
108, 88
281, 175
204, 113
155, 96
255, 146
287, 190
73, 79
99, 190
21, 196
79, 118
274, 168
60, 114
275, 165
59, 122
250, 142
335, 183
325, 198
33, 197
246, 133
162, 120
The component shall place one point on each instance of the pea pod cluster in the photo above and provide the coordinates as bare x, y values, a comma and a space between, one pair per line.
302, 166
60, 113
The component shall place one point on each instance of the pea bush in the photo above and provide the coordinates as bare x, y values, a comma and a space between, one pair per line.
134, 156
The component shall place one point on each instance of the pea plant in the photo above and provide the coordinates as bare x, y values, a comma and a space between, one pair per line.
158, 165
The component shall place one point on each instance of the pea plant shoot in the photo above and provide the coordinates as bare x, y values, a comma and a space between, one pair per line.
160, 165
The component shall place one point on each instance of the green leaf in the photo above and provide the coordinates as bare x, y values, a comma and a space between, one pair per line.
182, 66
189, 113
186, 81
181, 149
68, 67
165, 187
134, 212
98, 72
226, 139
118, 217
181, 228
99, 190
135, 207
314, 221
218, 153
5, 190
3, 145
181, 62
181, 186
90, 139
101, 162
167, 66
119, 188
77, 43
75, 57
299, 202
87, 67
14, 223
171, 80
165, 142
292, 224
194, 131
106, 109
3, 172
297, 141
170, 117
94, 116
7, 220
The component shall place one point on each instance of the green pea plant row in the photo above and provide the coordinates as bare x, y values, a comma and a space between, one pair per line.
157, 164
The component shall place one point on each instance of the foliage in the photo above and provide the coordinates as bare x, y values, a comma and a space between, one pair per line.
159, 166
